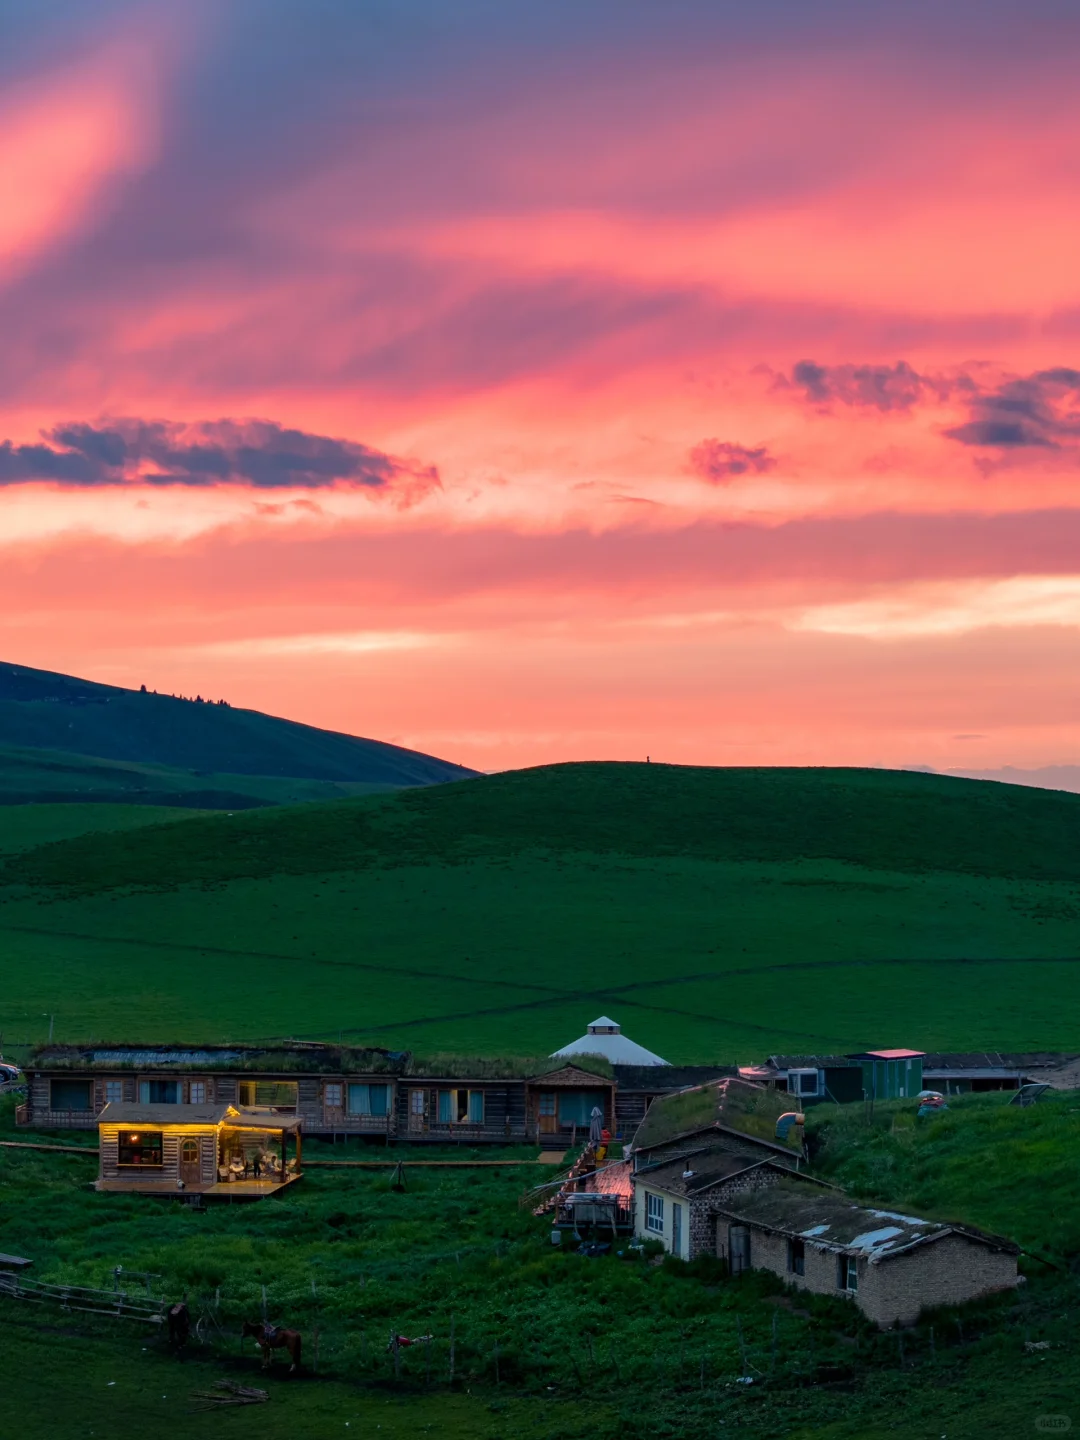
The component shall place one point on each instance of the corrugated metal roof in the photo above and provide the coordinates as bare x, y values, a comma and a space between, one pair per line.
791, 1208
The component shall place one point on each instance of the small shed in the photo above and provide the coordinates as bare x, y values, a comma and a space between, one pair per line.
893, 1266
891, 1074
217, 1150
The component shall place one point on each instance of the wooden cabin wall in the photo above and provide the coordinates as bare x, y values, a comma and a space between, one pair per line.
109, 1147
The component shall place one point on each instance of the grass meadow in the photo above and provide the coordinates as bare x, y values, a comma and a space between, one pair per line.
895, 909
546, 1343
719, 915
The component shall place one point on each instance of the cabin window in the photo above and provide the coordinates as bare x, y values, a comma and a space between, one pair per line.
71, 1095
268, 1094
461, 1107
159, 1092
847, 1273
139, 1147
114, 1092
189, 1152
547, 1102
369, 1100
796, 1257
332, 1095
576, 1107
654, 1213
198, 1092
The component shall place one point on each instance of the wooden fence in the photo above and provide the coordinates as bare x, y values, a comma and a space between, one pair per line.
115, 1304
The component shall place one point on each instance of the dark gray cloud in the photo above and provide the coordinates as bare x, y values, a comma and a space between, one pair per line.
258, 453
876, 387
1038, 411
720, 460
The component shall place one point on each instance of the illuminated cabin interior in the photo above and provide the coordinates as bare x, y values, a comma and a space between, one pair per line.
213, 1150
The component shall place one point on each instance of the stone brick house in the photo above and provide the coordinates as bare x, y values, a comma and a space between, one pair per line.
892, 1266
676, 1199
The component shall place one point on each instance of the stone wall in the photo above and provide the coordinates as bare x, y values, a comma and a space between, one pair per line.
950, 1271
946, 1272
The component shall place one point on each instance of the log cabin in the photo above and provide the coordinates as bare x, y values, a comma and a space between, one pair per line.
208, 1150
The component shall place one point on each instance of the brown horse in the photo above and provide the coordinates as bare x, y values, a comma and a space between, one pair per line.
270, 1338
178, 1319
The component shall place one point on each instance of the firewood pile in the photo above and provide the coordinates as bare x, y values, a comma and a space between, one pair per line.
228, 1392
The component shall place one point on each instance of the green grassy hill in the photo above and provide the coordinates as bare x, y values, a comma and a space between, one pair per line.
718, 914
54, 777
214, 744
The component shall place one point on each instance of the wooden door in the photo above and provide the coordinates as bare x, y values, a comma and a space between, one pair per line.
190, 1163
417, 1109
738, 1249
549, 1121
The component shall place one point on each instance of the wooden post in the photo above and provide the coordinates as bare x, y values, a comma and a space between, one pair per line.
497, 1362
451, 1349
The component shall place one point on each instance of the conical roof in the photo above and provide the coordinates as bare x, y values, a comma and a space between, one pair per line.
605, 1038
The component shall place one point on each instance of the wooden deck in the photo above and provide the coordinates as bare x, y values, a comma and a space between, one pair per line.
220, 1190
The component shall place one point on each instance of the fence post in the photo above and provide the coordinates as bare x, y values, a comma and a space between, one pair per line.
451, 1349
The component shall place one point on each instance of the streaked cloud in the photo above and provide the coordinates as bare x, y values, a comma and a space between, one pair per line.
256, 453
951, 609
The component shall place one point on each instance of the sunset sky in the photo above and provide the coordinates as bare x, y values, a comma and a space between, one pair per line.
525, 382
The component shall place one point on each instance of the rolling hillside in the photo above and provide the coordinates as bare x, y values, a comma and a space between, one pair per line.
212, 744
718, 914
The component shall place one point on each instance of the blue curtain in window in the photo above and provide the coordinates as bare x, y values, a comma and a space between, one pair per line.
446, 1106
476, 1107
159, 1092
359, 1100
576, 1107
380, 1099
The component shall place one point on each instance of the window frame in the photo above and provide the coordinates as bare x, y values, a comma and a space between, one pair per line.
654, 1213
288, 1106
142, 1147
199, 1086
147, 1082
368, 1113
85, 1085
332, 1088
460, 1106
796, 1257
847, 1274
114, 1092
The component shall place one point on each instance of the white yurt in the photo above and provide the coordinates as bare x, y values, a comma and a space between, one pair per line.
604, 1037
